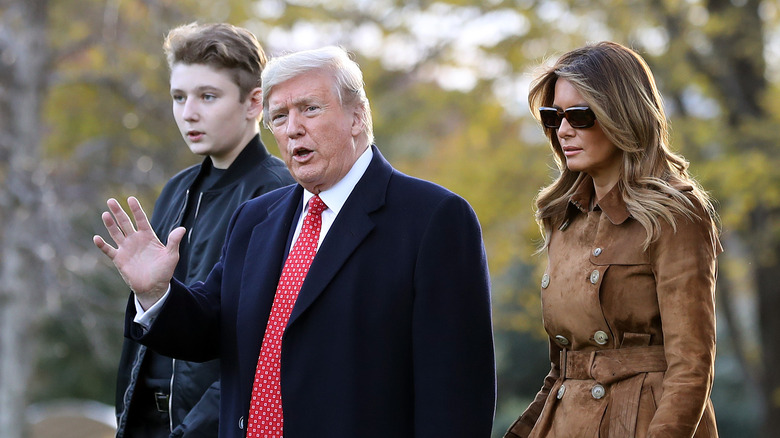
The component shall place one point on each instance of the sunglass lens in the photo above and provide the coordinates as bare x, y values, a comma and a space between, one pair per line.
580, 117
550, 118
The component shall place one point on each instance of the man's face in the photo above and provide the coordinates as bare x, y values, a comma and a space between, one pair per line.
208, 111
317, 137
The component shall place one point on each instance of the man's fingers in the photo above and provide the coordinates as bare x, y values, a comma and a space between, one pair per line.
107, 249
113, 229
139, 215
120, 216
174, 239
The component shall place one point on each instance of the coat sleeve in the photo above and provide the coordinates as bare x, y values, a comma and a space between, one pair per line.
454, 365
684, 267
521, 428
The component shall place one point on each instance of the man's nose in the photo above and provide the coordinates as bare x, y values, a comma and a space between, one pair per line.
294, 125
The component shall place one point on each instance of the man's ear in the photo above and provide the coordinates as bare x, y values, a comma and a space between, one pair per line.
357, 120
255, 108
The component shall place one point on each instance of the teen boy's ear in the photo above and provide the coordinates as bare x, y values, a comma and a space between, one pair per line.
255, 109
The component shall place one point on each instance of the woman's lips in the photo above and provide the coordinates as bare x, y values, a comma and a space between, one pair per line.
194, 135
570, 151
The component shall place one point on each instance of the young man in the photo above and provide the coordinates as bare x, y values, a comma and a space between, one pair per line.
217, 104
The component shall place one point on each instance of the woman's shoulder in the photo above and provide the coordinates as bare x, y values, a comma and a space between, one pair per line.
694, 199
695, 218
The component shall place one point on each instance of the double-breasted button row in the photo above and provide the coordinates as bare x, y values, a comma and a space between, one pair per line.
598, 392
601, 338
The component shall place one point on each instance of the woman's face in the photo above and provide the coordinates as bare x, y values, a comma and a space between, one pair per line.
588, 149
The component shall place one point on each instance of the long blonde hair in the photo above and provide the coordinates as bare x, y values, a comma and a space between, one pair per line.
619, 87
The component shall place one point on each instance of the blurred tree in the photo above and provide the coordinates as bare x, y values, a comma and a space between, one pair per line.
24, 57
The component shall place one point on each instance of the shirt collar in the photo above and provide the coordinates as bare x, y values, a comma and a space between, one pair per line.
336, 196
611, 204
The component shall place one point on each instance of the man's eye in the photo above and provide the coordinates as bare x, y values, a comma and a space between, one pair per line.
277, 119
209, 97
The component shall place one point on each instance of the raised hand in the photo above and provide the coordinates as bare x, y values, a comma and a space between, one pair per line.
143, 261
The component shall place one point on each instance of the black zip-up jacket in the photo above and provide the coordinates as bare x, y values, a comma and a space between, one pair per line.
194, 399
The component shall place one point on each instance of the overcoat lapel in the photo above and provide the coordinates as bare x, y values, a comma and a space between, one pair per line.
352, 226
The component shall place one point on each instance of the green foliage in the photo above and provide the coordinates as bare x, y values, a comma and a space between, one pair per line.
72, 361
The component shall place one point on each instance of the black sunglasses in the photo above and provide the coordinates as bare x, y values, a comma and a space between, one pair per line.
579, 117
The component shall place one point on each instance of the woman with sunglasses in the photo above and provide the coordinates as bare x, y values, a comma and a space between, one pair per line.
628, 293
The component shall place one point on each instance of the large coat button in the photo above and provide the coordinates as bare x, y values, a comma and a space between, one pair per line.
600, 337
598, 392
561, 340
545, 281
594, 276
241, 423
597, 252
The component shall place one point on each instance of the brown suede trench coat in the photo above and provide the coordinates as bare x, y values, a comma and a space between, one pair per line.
632, 331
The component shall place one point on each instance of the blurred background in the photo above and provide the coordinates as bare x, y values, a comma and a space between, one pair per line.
85, 114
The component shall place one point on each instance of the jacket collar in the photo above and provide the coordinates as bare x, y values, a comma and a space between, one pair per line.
247, 161
611, 204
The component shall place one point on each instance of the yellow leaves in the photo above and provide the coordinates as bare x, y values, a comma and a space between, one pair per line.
743, 183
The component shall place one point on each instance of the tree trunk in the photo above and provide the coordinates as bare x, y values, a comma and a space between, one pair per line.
24, 59
767, 274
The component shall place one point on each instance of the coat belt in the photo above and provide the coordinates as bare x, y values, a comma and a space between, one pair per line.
622, 368
613, 365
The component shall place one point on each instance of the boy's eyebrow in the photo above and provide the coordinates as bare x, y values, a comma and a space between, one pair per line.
200, 89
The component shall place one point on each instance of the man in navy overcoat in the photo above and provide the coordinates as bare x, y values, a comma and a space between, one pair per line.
390, 336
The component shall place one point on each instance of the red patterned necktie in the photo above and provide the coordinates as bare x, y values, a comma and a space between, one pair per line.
265, 410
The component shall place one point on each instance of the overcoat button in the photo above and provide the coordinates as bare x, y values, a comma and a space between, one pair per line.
241, 423
561, 340
600, 337
561, 391
594, 277
597, 252
598, 392
545, 281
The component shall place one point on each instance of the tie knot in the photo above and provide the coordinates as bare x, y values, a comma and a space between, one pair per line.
316, 206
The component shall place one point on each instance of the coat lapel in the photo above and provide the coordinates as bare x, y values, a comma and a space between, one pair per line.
351, 227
